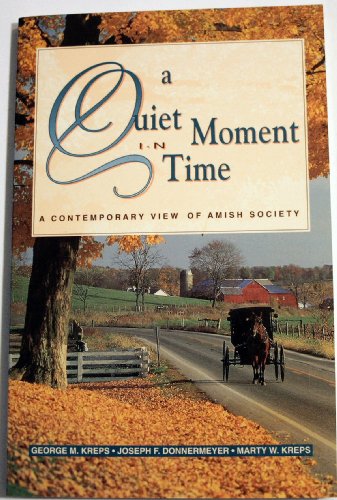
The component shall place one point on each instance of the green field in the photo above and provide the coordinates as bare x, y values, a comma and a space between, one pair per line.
115, 301
106, 299
103, 299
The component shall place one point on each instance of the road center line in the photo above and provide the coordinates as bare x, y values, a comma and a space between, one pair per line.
275, 414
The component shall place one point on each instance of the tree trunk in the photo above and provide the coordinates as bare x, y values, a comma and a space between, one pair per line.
137, 300
44, 343
214, 294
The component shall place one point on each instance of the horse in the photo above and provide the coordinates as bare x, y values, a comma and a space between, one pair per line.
259, 348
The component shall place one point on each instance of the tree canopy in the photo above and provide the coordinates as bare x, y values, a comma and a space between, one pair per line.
218, 260
137, 255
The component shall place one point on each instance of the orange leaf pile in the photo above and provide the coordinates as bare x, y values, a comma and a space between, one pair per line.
137, 412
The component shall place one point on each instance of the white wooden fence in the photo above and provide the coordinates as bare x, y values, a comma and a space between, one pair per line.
102, 366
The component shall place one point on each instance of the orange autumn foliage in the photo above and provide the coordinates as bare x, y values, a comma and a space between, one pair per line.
134, 243
89, 250
136, 412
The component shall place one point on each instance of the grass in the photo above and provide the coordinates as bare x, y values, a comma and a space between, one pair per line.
119, 301
323, 348
169, 320
101, 340
112, 300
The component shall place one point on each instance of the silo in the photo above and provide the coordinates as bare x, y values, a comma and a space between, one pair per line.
186, 283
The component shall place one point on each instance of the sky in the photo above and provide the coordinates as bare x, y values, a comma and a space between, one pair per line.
269, 249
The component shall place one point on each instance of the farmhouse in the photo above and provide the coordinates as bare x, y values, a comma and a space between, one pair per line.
161, 293
245, 291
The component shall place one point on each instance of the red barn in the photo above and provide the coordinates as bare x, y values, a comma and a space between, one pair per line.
256, 292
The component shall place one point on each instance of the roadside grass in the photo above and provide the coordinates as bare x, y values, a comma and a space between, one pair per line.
188, 318
103, 340
322, 348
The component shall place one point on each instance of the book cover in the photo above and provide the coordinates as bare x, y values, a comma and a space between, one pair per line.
172, 328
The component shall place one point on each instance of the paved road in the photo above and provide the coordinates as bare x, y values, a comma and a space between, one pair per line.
299, 410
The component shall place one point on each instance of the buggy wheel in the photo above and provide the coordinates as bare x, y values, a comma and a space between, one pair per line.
276, 356
282, 362
223, 360
226, 364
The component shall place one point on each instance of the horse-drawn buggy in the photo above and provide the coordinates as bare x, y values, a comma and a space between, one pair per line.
252, 331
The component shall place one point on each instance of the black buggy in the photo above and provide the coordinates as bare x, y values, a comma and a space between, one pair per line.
241, 324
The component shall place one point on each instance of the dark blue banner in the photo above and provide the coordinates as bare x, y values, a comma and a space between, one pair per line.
267, 450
